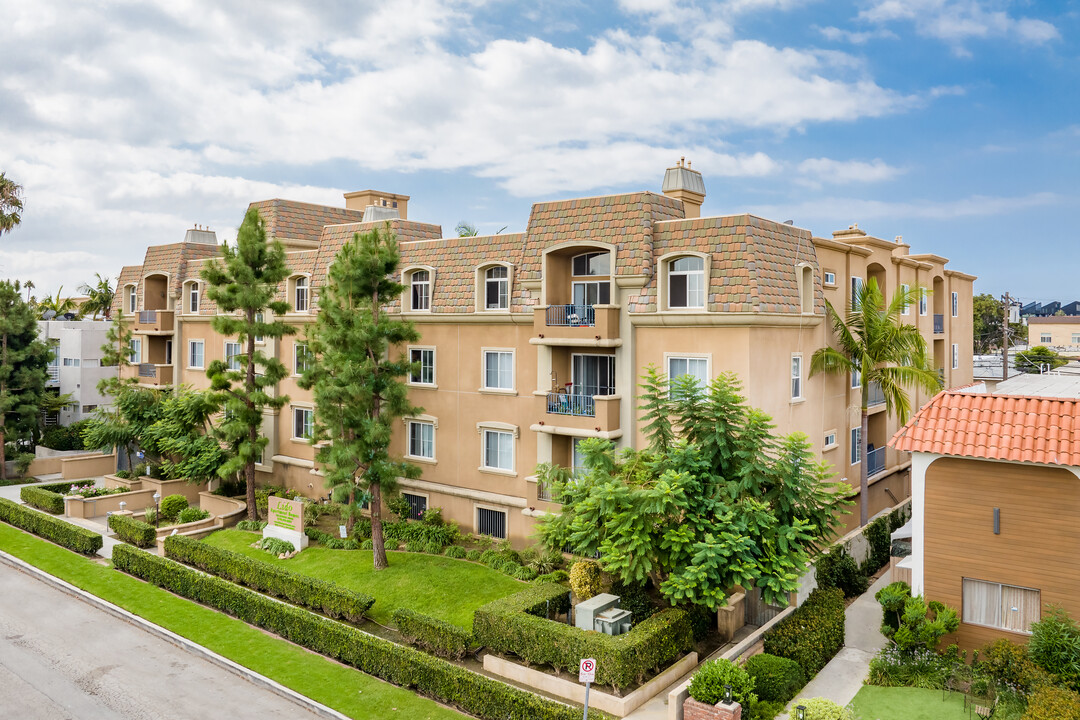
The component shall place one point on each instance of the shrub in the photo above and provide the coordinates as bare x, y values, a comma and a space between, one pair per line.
922, 624
62, 533
60, 437
763, 710
488, 557
813, 634
1053, 703
822, 709
585, 579
433, 516
776, 679
171, 505
319, 595
436, 636
133, 531
634, 598
547, 562
702, 620
708, 683
150, 515
191, 514
433, 549
879, 537
23, 461
523, 573
139, 470
559, 576
123, 474
251, 525
367, 545
1009, 664
455, 551
475, 694
414, 546
518, 624
473, 555
837, 569
892, 598
920, 668
46, 497
1055, 646
276, 546
398, 505
443, 535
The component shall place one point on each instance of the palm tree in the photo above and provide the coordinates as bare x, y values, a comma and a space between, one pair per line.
99, 297
466, 229
58, 305
872, 342
10, 204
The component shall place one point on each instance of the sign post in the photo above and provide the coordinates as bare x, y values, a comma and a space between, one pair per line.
587, 675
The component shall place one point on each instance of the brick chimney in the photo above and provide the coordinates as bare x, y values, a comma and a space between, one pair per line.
683, 183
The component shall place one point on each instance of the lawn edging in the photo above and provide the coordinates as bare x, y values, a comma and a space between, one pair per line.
172, 638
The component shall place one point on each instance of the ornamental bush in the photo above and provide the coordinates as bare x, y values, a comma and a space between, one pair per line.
1009, 663
822, 709
49, 498
1053, 703
455, 551
708, 683
133, 531
253, 526
473, 555
879, 537
776, 679
191, 514
559, 576
1055, 646
519, 624
276, 546
476, 694
811, 635
585, 579
313, 593
171, 505
62, 533
839, 570
436, 636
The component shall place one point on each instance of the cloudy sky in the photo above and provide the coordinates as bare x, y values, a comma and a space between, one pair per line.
954, 123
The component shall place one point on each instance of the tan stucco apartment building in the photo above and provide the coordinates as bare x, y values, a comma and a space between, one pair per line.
534, 340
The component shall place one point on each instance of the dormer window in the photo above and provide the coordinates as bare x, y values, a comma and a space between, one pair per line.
587, 293
193, 297
497, 288
686, 282
133, 298
300, 295
595, 263
420, 283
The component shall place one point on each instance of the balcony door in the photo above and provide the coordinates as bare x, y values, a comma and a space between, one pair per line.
168, 352
592, 292
593, 375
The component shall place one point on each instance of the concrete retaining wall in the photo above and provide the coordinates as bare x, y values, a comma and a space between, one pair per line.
87, 466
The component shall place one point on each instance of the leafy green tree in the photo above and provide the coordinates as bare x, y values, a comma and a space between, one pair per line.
99, 297
244, 285
987, 321
1038, 359
116, 352
717, 501
126, 423
873, 343
58, 305
23, 361
184, 437
357, 378
11, 204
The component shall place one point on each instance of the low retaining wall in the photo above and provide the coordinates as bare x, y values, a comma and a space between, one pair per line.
112, 481
87, 466
44, 466
575, 692
224, 512
173, 487
76, 506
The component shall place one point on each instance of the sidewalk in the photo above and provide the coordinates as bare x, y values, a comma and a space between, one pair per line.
843, 677
11, 492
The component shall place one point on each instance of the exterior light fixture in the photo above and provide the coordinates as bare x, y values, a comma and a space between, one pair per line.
800, 712
157, 509
727, 694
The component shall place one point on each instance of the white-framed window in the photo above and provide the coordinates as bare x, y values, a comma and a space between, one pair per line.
301, 358
577, 458
796, 377
491, 522
1076, 338
498, 369
698, 367
422, 439
591, 263
259, 318
195, 354
956, 304
996, 605
420, 289
132, 298
955, 356
856, 379
76, 362
498, 450
856, 287
89, 408
830, 440
829, 278
193, 297
417, 505
686, 282
1045, 338
136, 350
300, 294
497, 288
232, 355
856, 445
424, 372
922, 301
905, 310
303, 423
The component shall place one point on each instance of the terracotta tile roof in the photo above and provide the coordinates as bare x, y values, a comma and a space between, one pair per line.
130, 274
291, 220
333, 237
456, 261
1022, 428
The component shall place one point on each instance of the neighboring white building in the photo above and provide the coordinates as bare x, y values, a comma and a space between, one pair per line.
76, 364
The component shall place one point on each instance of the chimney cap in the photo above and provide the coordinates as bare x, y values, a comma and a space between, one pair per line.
682, 177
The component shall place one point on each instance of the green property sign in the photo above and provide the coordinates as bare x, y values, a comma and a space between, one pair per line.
286, 514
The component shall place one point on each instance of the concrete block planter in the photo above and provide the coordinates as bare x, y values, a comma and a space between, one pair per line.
694, 710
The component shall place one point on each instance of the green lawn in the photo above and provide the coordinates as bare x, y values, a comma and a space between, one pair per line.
438, 586
346, 690
881, 703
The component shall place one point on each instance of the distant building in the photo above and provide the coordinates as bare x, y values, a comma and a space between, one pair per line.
1060, 332
75, 366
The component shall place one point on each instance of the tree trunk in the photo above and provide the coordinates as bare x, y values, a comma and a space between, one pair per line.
253, 432
377, 543
350, 519
864, 475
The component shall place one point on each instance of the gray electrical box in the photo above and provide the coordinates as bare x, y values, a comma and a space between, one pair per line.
585, 612
613, 621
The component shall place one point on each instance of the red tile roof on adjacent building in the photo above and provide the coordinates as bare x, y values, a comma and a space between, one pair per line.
1017, 428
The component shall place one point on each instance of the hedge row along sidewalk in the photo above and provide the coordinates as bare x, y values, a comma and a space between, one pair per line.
62, 533
319, 595
317, 677
49, 498
476, 694
133, 531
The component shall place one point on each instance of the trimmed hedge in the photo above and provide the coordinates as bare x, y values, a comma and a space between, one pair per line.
436, 636
49, 498
440, 679
62, 533
133, 531
319, 595
518, 624
813, 634
776, 679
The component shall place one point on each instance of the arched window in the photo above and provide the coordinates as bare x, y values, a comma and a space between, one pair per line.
132, 298
587, 293
193, 297
686, 282
806, 288
496, 288
300, 294
420, 283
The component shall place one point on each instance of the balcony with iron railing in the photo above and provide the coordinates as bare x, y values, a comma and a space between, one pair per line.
155, 375
53, 373
875, 396
580, 324
939, 324
570, 413
875, 461
153, 322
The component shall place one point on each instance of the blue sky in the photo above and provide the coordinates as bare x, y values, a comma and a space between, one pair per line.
951, 122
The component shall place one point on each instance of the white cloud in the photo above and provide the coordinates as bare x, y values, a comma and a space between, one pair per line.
862, 37
858, 209
826, 171
955, 21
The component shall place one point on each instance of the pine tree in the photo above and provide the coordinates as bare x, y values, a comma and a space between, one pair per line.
247, 280
358, 377
116, 352
23, 361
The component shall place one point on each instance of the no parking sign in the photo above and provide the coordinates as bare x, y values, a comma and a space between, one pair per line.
587, 671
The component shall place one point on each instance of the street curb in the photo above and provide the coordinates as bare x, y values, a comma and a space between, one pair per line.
174, 639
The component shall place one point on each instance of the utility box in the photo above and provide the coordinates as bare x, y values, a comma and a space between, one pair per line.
602, 614
613, 621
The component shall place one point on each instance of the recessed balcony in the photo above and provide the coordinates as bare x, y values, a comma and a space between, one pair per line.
579, 325
155, 375
154, 322
578, 415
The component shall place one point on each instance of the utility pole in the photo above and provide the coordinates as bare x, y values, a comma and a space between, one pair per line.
1005, 338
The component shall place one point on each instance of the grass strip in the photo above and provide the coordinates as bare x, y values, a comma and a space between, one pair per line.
904, 703
348, 691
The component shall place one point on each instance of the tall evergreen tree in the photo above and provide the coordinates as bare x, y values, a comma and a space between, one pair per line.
116, 352
244, 285
358, 378
23, 361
